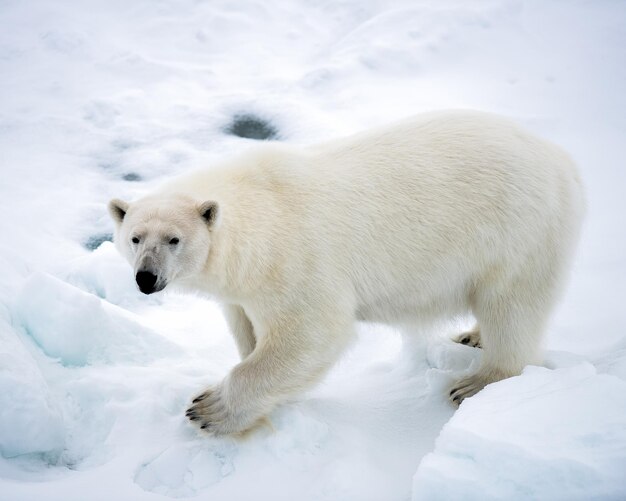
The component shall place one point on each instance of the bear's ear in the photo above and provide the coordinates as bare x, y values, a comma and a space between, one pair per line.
118, 209
209, 211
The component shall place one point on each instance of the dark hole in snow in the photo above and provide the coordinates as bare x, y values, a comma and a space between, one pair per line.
131, 176
251, 127
94, 241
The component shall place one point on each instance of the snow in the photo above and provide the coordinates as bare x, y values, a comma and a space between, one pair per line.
566, 425
105, 99
25, 392
78, 328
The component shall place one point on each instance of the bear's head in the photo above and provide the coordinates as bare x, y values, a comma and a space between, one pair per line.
164, 238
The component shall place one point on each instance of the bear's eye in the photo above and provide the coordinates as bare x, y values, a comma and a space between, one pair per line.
174, 241
135, 240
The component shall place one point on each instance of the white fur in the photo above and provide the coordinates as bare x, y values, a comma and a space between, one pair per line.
442, 214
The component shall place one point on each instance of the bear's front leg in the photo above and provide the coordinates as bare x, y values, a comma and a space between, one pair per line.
241, 329
289, 359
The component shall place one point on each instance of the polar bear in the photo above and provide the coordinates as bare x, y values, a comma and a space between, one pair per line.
443, 214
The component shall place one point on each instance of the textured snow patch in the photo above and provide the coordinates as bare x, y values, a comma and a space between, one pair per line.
79, 328
30, 421
614, 360
547, 434
281, 452
182, 470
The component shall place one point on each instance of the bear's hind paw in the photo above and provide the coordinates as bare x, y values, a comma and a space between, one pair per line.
471, 338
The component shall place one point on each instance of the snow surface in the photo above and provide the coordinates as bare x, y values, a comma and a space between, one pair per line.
108, 98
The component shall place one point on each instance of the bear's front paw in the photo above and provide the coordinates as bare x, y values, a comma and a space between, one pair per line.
212, 412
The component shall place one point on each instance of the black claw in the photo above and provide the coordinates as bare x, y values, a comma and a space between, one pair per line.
194, 418
452, 391
203, 426
455, 399
465, 340
196, 400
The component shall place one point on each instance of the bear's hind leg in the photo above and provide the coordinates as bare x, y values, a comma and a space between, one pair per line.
512, 321
469, 338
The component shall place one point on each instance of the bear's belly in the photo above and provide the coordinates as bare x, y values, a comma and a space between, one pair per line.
410, 308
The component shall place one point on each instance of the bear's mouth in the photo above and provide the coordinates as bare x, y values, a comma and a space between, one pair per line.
148, 282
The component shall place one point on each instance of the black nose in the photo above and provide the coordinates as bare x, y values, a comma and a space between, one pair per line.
146, 281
